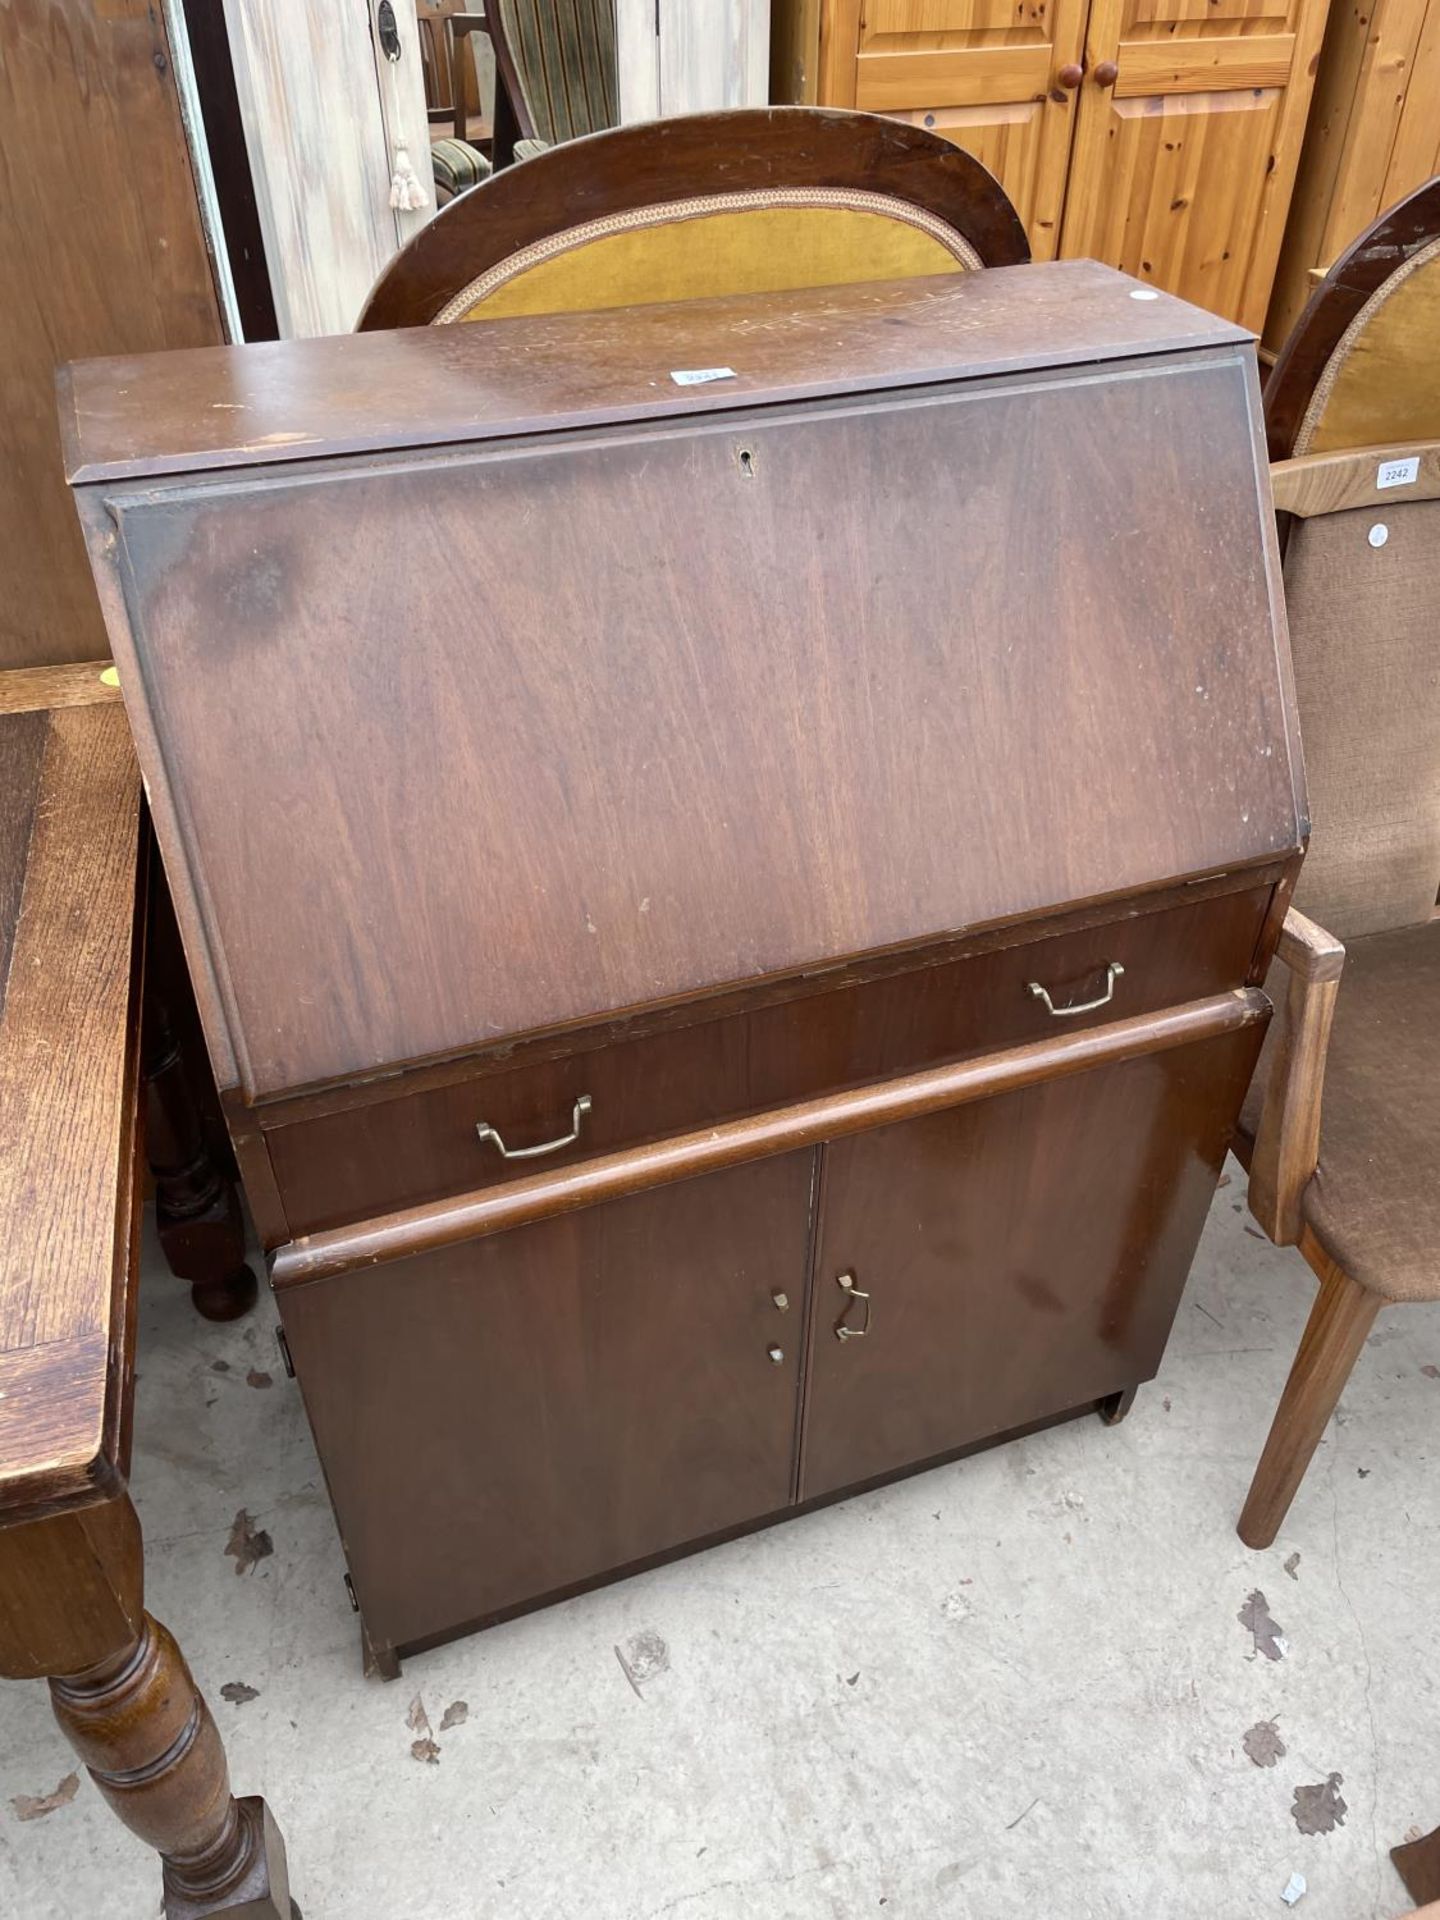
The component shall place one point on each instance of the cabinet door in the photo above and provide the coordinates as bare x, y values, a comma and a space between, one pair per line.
985, 73
500, 1420
1191, 118
1022, 1256
325, 116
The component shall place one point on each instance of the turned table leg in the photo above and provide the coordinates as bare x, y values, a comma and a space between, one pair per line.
72, 1611
142, 1727
197, 1207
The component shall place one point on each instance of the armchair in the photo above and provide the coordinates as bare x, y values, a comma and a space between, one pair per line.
1351, 1176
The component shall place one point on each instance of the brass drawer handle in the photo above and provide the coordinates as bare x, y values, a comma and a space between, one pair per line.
486, 1132
1112, 974
846, 1284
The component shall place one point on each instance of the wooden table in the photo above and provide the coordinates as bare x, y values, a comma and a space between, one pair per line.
72, 1607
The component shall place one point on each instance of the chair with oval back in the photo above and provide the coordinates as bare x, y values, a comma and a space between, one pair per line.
757, 200
1361, 368
1352, 415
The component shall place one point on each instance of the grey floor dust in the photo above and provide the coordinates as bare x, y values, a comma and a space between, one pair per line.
1019, 1685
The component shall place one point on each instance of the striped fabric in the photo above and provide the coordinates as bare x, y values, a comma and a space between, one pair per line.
564, 54
457, 166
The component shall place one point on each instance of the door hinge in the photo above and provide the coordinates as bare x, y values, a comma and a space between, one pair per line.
284, 1346
350, 1589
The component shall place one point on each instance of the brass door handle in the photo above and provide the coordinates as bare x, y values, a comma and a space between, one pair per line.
1112, 973
846, 1284
484, 1131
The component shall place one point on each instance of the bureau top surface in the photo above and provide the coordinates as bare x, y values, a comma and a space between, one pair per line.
450, 744
296, 400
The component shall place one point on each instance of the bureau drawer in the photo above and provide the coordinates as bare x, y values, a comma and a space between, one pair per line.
404, 1146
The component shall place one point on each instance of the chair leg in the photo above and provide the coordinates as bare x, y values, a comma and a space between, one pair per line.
1342, 1316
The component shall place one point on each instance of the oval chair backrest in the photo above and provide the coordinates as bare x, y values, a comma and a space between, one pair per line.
1382, 382
1359, 367
759, 199
764, 240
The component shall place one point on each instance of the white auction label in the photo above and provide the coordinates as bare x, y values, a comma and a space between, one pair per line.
1398, 473
701, 376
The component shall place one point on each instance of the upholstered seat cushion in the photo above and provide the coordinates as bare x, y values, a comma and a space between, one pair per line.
1374, 1202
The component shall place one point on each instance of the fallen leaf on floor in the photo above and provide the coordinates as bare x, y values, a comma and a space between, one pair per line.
1363, 1472
1293, 1888
1268, 1636
852, 1680
455, 1715
1320, 1809
1223, 1181
219, 1366
644, 1656
254, 1378
27, 1808
418, 1721
1291, 1565
1430, 1372
247, 1543
1254, 1232
237, 1693
1263, 1743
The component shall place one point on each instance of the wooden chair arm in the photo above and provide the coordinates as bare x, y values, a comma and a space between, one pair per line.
1308, 950
1287, 1142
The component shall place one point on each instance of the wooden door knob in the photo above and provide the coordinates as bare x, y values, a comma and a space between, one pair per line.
1070, 76
1106, 73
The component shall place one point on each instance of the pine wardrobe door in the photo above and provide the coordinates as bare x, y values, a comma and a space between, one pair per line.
1191, 116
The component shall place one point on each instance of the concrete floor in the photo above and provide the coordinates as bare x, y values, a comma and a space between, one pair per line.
1009, 1687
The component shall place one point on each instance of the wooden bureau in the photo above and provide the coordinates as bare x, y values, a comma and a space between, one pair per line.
727, 914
